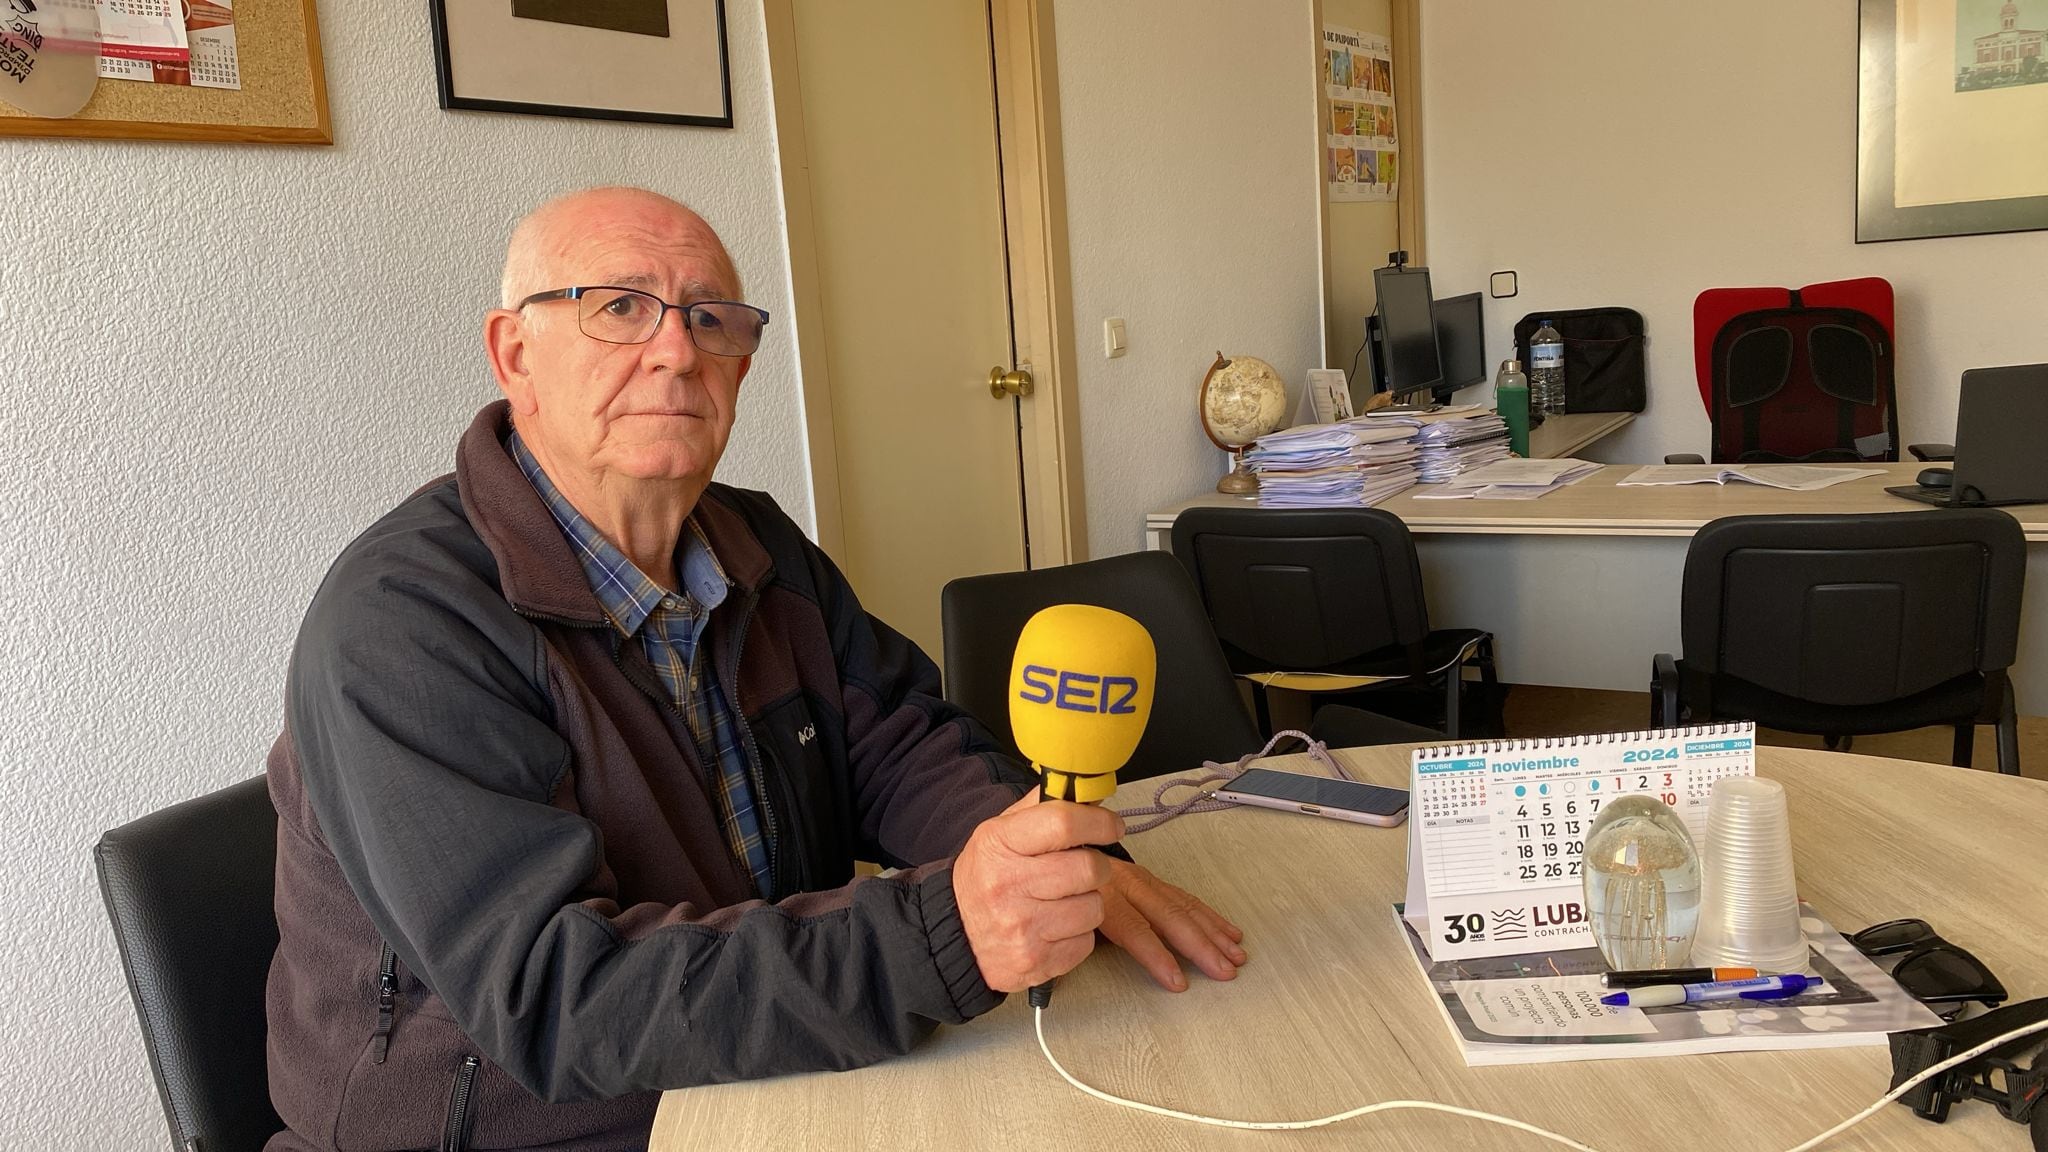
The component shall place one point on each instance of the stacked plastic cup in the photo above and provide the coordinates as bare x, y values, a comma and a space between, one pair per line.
1749, 905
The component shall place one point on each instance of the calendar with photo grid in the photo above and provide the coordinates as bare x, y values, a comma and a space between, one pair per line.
1497, 828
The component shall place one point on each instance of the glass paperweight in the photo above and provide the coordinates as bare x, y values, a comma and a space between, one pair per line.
1642, 877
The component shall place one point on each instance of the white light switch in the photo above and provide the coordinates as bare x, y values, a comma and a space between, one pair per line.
1113, 344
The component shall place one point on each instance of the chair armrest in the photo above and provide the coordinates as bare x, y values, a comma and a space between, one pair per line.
1684, 458
1664, 691
1932, 451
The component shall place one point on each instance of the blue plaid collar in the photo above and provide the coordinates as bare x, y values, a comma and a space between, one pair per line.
626, 593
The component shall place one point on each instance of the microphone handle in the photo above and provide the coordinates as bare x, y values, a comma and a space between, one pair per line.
1040, 995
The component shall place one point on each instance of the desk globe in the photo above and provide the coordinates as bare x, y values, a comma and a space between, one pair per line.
1243, 398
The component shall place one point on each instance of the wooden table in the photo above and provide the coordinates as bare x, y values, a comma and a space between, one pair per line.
1560, 436
1332, 1011
1581, 586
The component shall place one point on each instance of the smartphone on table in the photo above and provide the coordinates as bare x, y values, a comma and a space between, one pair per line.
1318, 796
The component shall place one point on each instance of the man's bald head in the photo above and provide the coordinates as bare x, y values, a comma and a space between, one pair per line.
616, 425
544, 242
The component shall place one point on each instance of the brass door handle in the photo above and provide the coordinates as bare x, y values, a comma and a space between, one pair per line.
1003, 385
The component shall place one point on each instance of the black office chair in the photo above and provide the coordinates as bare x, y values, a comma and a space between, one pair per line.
1845, 625
190, 891
1325, 591
1197, 714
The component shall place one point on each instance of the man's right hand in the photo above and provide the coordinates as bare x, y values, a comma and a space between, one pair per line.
1029, 891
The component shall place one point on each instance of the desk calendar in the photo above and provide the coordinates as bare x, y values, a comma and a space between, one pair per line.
1497, 828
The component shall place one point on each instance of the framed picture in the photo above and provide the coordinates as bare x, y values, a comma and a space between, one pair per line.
1952, 106
656, 61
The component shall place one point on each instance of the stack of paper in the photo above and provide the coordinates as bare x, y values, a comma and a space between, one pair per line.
1343, 487
1449, 448
1513, 480
1351, 463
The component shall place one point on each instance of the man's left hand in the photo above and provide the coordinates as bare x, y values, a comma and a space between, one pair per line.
1152, 920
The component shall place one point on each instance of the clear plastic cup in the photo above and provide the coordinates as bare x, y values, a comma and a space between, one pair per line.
1749, 905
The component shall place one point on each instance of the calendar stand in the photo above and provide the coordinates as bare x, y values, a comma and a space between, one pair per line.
1497, 828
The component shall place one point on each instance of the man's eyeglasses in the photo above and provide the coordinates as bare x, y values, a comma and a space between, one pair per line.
626, 316
1932, 970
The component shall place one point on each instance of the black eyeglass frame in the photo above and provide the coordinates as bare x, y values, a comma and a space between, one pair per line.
1919, 942
1922, 932
577, 292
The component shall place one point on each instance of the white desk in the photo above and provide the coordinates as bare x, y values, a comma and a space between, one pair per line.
1581, 586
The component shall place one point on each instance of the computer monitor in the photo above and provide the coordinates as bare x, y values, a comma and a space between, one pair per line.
1460, 342
2001, 423
1408, 358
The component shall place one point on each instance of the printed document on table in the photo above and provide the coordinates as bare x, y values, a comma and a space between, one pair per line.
1544, 1006
1451, 491
1791, 477
1542, 473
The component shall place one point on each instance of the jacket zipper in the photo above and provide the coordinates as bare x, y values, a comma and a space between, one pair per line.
387, 1004
756, 775
564, 621
455, 1136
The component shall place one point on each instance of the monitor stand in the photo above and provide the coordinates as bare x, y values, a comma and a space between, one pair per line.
1421, 409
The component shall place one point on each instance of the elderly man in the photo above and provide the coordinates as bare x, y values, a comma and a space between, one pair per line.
580, 749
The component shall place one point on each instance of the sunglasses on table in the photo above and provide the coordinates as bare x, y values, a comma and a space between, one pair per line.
1933, 971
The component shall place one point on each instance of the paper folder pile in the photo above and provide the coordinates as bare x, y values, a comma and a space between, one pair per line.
1454, 441
1352, 463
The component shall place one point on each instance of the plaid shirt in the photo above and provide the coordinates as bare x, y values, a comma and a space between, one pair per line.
669, 626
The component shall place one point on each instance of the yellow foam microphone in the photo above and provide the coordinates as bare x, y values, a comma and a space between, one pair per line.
1080, 693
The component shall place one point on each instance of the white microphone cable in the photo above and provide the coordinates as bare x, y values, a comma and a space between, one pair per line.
1490, 1118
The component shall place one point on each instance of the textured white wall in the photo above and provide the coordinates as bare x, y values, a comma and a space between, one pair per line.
218, 364
1192, 166
1696, 146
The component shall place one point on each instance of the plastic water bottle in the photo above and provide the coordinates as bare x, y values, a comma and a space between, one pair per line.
1546, 371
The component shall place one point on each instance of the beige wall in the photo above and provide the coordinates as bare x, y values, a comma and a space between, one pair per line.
1698, 145
1359, 233
1192, 177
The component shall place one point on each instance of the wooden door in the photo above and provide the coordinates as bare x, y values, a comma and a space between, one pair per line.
902, 196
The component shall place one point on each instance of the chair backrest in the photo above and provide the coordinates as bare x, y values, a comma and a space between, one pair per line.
190, 891
1798, 374
1197, 713
1854, 610
1300, 590
1716, 306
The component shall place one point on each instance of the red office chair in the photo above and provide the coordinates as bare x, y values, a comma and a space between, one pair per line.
1800, 374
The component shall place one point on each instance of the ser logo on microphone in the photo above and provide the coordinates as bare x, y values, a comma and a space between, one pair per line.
1078, 691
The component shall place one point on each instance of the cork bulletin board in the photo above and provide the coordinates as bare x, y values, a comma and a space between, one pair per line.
283, 98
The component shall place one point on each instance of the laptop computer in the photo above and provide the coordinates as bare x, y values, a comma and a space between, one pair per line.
2001, 441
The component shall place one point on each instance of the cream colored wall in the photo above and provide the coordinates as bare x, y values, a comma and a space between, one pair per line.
1699, 145
218, 364
1192, 175
1359, 234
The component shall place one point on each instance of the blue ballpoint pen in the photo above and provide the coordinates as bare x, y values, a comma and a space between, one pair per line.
1760, 988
